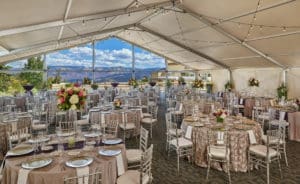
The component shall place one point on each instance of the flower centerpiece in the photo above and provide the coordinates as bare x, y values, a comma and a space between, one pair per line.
253, 82
197, 83
186, 91
71, 98
117, 104
133, 82
220, 114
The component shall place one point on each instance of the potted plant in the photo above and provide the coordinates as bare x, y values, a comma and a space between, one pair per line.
94, 86
282, 91
181, 81
228, 86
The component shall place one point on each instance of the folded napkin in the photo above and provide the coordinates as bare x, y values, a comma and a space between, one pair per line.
23, 175
188, 133
102, 118
83, 171
120, 164
252, 137
220, 137
14, 126
241, 101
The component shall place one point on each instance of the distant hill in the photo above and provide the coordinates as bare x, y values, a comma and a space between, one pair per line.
102, 74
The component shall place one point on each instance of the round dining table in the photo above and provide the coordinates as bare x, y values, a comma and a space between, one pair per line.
239, 142
57, 170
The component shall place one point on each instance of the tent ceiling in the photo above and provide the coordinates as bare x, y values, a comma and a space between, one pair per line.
206, 36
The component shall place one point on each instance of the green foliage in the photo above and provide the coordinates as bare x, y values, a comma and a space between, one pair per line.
4, 79
87, 80
34, 78
181, 80
282, 91
15, 86
144, 80
94, 86
228, 86
169, 83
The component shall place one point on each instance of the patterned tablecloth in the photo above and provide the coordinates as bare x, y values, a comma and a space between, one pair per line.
238, 144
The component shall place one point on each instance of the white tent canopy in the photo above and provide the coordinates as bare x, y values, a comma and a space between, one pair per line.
200, 34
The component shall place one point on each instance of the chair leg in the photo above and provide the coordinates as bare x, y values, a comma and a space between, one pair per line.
286, 161
208, 168
268, 173
278, 160
228, 170
178, 162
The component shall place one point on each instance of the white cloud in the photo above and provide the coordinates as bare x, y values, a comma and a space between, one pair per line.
82, 56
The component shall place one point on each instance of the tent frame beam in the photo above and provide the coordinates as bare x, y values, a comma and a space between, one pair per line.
111, 13
183, 46
157, 53
57, 45
234, 38
65, 18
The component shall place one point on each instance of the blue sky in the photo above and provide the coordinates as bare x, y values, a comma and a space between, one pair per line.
109, 53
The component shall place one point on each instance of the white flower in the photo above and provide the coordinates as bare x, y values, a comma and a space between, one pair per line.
73, 107
74, 99
223, 115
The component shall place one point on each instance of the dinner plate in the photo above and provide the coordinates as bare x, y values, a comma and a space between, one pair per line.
65, 134
39, 140
112, 141
109, 153
79, 161
20, 151
36, 163
92, 135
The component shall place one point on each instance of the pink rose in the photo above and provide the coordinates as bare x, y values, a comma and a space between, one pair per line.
62, 100
70, 92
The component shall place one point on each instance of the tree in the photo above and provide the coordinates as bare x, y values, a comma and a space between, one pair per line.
4, 79
34, 78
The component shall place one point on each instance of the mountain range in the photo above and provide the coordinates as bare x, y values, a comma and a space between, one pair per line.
102, 74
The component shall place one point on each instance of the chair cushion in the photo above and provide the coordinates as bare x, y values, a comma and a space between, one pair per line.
171, 109
39, 126
239, 106
182, 142
276, 122
172, 132
146, 115
133, 155
132, 177
129, 126
272, 140
218, 152
82, 122
261, 150
148, 120
264, 116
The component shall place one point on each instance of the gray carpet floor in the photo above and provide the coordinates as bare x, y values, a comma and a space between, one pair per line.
164, 168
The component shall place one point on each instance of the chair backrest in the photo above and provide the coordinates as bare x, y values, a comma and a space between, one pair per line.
273, 138
153, 111
144, 139
218, 138
68, 126
112, 125
146, 165
93, 178
17, 136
